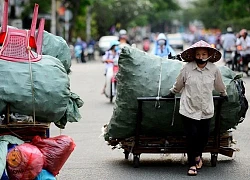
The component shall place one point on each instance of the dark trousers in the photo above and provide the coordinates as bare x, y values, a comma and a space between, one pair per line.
197, 134
246, 60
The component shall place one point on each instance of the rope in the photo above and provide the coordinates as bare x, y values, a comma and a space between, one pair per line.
172, 123
157, 103
32, 84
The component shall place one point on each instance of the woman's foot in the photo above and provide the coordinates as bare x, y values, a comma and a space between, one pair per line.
192, 171
198, 161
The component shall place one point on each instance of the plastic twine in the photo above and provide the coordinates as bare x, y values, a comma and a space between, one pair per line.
32, 84
157, 103
172, 123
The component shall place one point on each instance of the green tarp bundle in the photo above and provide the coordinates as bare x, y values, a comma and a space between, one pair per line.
57, 47
139, 76
53, 100
48, 93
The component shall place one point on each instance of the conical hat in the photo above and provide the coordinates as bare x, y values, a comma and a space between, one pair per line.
189, 54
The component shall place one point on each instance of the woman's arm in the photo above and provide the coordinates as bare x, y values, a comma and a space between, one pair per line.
180, 82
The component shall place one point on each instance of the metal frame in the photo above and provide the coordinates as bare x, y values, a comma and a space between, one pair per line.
138, 149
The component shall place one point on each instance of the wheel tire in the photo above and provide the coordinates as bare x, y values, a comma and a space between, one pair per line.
136, 161
214, 157
111, 93
126, 153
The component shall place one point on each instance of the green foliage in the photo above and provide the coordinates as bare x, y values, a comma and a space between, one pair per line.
222, 13
44, 7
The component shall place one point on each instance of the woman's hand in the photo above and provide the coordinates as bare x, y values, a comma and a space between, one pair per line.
109, 61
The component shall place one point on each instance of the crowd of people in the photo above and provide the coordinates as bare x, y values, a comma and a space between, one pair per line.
236, 49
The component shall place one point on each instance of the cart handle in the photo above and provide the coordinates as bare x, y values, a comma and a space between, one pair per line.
139, 118
168, 99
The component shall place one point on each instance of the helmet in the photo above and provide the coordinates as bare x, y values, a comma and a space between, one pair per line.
114, 43
122, 32
229, 29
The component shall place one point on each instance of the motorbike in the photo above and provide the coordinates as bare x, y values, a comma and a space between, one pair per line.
237, 61
111, 82
90, 52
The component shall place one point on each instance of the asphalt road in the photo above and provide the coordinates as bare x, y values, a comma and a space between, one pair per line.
93, 159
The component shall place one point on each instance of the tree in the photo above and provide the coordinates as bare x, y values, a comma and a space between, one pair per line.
222, 13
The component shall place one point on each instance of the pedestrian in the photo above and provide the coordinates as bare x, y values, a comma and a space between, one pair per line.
196, 82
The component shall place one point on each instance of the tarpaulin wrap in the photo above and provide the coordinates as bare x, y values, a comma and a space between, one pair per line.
57, 47
51, 90
138, 76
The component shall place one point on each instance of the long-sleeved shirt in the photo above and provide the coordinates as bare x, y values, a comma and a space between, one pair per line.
109, 55
228, 41
196, 86
245, 43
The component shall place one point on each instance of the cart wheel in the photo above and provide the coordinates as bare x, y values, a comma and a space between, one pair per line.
111, 92
214, 159
136, 161
126, 154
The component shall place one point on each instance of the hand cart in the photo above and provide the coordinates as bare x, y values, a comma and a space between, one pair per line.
218, 143
24, 130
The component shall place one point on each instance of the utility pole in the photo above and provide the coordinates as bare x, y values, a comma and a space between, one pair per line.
66, 25
53, 17
88, 23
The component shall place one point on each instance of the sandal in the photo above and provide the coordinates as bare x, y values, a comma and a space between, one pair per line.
199, 163
194, 171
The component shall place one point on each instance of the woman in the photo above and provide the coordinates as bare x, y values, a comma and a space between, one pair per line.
110, 58
196, 82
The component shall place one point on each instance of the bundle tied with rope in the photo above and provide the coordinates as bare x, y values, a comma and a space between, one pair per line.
33, 84
145, 75
157, 102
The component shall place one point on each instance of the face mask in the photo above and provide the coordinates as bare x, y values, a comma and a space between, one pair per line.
161, 42
201, 61
116, 48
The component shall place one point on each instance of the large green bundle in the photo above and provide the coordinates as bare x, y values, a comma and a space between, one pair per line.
57, 47
53, 100
138, 76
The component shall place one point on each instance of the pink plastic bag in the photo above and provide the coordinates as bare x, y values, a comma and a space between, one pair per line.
24, 162
56, 151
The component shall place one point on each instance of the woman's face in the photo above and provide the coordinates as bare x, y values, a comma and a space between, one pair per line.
201, 53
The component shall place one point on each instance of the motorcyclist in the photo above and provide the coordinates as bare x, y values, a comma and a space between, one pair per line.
91, 49
79, 48
110, 58
162, 48
228, 42
123, 38
244, 41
